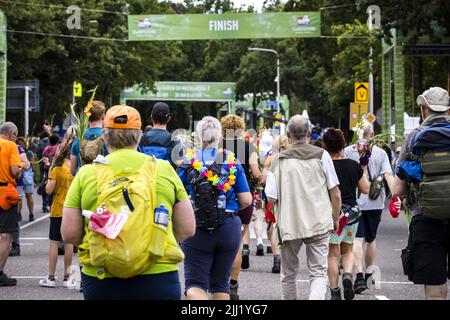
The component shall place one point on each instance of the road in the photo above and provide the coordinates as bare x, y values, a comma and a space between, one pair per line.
256, 283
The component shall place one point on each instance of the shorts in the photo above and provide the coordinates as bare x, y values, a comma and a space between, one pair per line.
429, 251
347, 236
209, 256
55, 229
9, 220
160, 286
368, 224
246, 214
28, 189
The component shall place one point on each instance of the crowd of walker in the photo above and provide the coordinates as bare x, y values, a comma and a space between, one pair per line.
134, 205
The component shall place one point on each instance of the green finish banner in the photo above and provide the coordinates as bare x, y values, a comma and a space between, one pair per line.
224, 26
183, 91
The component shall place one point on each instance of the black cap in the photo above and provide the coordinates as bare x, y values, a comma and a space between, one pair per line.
160, 112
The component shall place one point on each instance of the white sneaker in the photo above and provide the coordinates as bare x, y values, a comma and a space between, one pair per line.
46, 282
70, 283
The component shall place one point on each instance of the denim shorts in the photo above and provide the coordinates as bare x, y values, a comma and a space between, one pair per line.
25, 189
209, 256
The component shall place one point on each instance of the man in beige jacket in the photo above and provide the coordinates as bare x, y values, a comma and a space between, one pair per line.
303, 187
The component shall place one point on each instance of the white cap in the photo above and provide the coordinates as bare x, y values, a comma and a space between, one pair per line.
435, 98
265, 144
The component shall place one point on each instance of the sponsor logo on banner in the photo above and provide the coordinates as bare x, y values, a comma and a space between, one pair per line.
228, 92
144, 23
303, 20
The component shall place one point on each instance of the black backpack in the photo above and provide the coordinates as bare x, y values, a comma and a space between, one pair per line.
209, 214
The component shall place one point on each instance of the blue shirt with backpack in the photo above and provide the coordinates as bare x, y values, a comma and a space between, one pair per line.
159, 143
425, 165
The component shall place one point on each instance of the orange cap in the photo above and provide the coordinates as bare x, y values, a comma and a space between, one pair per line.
122, 117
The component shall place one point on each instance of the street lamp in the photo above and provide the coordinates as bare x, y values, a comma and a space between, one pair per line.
278, 72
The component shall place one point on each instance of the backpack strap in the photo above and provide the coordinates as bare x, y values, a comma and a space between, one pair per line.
105, 175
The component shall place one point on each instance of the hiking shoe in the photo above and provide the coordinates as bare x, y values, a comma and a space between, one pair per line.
360, 285
14, 251
260, 249
31, 217
369, 277
276, 266
234, 291
6, 281
70, 283
245, 264
269, 249
61, 250
46, 282
336, 294
347, 282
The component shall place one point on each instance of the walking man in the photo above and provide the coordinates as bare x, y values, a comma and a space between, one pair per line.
303, 187
364, 247
426, 259
10, 169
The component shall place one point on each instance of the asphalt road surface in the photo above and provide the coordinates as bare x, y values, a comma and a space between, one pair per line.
256, 283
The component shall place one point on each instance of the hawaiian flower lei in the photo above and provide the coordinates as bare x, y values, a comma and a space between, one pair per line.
220, 183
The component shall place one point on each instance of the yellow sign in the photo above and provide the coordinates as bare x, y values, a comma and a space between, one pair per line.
371, 117
77, 89
361, 92
356, 109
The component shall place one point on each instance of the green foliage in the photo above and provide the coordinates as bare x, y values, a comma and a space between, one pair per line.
317, 74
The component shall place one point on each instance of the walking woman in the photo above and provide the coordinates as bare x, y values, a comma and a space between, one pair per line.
216, 182
351, 176
124, 266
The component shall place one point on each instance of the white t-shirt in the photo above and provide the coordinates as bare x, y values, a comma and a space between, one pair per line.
378, 165
328, 169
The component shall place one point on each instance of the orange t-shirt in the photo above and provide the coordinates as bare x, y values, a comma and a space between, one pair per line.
9, 157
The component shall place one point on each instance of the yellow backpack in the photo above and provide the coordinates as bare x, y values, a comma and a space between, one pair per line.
141, 241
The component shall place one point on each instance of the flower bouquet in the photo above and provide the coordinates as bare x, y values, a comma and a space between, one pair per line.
82, 119
364, 147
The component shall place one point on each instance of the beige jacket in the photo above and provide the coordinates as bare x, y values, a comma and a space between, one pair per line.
303, 209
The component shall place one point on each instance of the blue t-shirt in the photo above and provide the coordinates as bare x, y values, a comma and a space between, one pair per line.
207, 156
90, 134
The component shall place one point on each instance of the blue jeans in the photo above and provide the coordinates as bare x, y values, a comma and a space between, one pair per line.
162, 286
210, 256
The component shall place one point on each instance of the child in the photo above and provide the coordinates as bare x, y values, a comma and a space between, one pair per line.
58, 184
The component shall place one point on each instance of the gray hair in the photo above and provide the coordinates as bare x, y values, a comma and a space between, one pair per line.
208, 131
298, 127
122, 138
8, 127
367, 130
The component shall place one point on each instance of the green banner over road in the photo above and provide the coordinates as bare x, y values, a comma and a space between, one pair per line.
183, 91
224, 26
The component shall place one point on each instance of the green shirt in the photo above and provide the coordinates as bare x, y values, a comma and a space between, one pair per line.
169, 190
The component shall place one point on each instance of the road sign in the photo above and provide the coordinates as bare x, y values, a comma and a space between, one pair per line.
371, 117
356, 109
77, 89
361, 92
